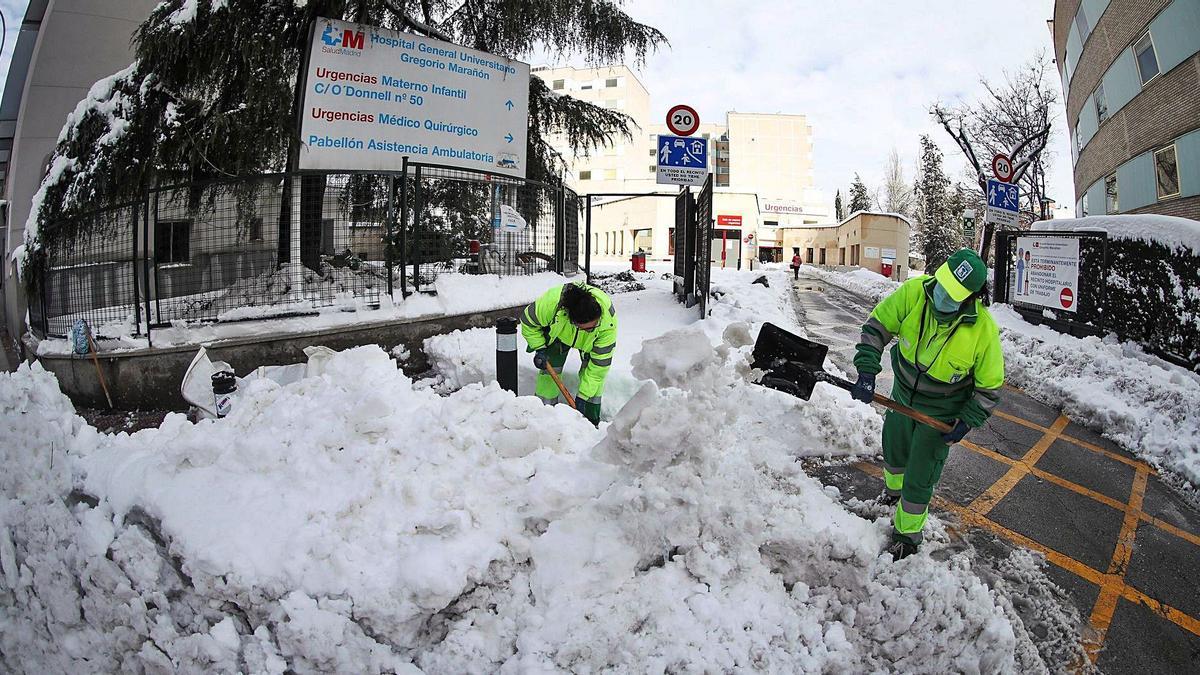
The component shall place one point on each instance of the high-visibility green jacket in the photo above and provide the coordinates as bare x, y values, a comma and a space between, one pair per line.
545, 321
949, 371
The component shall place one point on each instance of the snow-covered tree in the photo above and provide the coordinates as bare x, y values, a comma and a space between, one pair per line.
860, 199
939, 232
839, 209
897, 197
186, 110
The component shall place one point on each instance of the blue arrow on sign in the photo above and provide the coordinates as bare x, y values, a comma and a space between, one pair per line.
508, 104
509, 138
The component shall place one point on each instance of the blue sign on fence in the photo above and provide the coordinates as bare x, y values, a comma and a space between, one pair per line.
682, 160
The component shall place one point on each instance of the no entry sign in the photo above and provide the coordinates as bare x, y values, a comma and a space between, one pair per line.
683, 120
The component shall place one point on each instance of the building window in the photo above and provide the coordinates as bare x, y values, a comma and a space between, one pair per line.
770, 223
1101, 103
558, 84
172, 241
256, 229
1081, 24
653, 168
586, 86
1083, 206
653, 152
1147, 60
809, 256
1078, 141
1166, 172
611, 82
585, 175
1112, 204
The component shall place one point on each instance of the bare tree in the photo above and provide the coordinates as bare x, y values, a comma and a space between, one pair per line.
1013, 118
897, 193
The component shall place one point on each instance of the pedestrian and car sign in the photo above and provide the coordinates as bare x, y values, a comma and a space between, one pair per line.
1004, 202
682, 120
681, 160
1047, 272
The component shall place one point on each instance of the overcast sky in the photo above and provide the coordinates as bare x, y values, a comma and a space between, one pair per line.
864, 72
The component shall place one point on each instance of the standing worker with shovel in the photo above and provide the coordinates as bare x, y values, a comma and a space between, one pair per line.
572, 316
947, 364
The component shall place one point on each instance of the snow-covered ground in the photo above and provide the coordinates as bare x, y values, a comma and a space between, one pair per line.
1142, 403
357, 522
456, 294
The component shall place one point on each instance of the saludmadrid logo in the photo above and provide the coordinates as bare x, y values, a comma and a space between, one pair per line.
349, 43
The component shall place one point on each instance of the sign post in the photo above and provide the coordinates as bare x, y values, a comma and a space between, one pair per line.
682, 120
373, 96
681, 161
1004, 201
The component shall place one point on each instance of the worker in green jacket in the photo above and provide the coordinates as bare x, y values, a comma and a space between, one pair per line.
947, 364
572, 316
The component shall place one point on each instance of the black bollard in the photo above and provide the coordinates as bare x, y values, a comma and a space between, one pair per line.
506, 353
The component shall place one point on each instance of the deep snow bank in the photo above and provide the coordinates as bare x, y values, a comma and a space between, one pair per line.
350, 522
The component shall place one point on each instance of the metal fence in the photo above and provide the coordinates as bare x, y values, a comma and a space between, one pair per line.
287, 244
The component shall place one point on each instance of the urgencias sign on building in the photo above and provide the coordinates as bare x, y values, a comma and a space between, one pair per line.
782, 207
373, 96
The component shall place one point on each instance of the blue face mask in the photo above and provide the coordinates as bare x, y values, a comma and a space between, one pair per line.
942, 302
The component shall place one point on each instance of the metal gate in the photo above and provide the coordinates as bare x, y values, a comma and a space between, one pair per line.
703, 224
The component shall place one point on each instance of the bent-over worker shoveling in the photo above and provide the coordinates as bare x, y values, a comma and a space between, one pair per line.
948, 369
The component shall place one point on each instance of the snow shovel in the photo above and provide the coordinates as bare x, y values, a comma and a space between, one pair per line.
561, 387
795, 365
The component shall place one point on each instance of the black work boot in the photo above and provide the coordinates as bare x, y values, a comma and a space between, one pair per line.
901, 549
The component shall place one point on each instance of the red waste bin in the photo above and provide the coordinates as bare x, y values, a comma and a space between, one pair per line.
638, 262
886, 269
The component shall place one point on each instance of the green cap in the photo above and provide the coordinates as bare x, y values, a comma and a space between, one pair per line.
963, 274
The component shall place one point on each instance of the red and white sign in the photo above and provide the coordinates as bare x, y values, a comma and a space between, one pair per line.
729, 221
1066, 297
1046, 272
683, 120
1002, 168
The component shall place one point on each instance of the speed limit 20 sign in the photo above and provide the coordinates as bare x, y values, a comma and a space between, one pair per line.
682, 120
1002, 167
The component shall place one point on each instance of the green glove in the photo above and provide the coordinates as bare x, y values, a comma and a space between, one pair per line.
591, 411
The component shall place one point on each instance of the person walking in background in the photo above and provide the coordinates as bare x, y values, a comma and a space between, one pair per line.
572, 316
1020, 270
947, 364
796, 266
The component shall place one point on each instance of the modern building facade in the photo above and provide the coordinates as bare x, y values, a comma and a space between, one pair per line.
1131, 72
762, 168
872, 241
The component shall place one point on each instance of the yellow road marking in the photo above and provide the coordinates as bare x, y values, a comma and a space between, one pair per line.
1114, 581
1076, 441
992, 496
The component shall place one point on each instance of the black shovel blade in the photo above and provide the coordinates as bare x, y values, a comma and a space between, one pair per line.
790, 361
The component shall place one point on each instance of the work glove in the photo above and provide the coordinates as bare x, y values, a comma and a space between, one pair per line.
864, 389
957, 433
590, 410
540, 360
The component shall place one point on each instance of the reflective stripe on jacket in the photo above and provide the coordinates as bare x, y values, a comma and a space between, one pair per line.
545, 321
952, 370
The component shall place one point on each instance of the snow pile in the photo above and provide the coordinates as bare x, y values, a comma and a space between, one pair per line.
1139, 401
864, 283
351, 522
1170, 231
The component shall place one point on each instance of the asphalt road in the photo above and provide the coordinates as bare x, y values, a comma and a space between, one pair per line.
1123, 546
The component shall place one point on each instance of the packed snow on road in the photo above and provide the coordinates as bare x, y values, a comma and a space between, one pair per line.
358, 521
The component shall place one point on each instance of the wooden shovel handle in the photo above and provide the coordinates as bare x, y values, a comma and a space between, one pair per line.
99, 374
554, 374
914, 414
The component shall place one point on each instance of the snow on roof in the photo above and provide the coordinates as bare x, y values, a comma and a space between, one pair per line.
847, 219
1171, 231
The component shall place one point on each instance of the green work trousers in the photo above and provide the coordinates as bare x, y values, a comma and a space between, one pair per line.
556, 354
914, 455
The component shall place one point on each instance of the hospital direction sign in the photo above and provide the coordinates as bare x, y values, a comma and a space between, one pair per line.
373, 96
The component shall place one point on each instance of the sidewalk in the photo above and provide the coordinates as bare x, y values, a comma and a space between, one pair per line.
1124, 547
